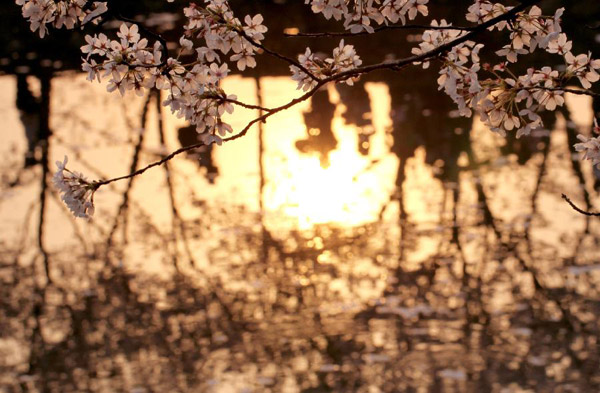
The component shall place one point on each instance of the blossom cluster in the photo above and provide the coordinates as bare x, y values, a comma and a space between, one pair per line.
213, 38
60, 13
223, 33
344, 59
77, 192
358, 14
505, 101
590, 146
194, 91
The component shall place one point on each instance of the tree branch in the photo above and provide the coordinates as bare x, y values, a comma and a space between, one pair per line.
580, 92
394, 65
436, 51
277, 55
244, 105
572, 91
577, 209
379, 29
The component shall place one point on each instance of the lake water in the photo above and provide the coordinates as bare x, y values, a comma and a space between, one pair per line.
304, 265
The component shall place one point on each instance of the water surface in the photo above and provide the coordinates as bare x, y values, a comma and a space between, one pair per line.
358, 243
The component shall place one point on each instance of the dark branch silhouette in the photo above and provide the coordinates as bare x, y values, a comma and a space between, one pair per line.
577, 209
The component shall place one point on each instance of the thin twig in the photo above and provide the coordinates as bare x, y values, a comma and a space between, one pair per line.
580, 92
577, 209
247, 106
278, 55
199, 144
379, 29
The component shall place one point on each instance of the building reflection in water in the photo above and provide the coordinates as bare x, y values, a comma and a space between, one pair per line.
435, 257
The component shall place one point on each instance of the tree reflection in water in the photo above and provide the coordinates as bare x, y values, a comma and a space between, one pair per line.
472, 275
320, 138
470, 296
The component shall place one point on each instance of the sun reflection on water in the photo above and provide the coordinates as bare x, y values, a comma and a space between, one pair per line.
351, 189
346, 192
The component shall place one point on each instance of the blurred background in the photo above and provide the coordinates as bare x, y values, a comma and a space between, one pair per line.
367, 240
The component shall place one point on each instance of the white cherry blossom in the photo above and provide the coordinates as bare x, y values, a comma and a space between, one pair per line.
59, 13
218, 40
344, 59
590, 148
76, 191
361, 15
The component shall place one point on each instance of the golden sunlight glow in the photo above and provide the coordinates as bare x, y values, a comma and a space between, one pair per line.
350, 191
299, 193
340, 193
291, 30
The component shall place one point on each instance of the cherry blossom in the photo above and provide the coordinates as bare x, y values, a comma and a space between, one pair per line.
344, 59
503, 100
511, 52
131, 64
77, 192
583, 67
359, 14
560, 45
214, 40
58, 14
590, 148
